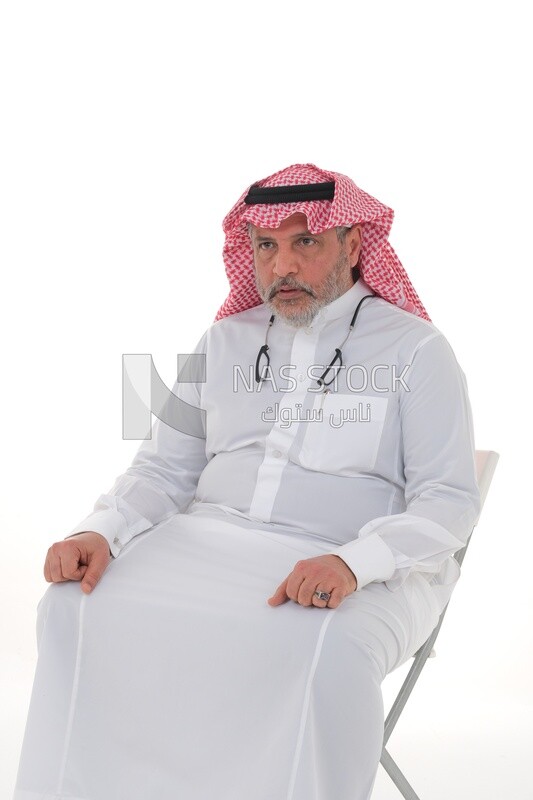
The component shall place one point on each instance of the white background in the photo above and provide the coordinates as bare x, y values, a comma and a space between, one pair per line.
128, 130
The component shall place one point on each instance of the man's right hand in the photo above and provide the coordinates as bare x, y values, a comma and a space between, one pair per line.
83, 557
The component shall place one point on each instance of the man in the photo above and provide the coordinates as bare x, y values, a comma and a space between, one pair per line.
246, 588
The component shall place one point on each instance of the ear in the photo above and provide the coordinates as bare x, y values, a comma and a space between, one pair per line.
353, 244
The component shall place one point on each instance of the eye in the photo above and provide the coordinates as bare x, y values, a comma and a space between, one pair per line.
265, 245
307, 241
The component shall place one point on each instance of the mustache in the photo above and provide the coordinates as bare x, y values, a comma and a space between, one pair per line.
289, 283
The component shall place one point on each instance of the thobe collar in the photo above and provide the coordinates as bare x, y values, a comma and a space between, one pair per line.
343, 306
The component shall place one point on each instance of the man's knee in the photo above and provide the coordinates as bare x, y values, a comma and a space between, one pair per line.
58, 607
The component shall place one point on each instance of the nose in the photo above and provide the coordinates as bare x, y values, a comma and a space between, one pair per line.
286, 262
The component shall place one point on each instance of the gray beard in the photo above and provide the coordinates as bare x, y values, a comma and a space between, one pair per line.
301, 318
334, 286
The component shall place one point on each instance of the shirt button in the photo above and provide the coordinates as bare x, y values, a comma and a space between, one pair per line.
301, 377
277, 453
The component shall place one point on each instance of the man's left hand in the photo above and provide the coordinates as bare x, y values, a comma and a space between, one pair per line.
327, 573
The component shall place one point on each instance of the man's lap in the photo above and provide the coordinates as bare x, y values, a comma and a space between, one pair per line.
175, 665
213, 574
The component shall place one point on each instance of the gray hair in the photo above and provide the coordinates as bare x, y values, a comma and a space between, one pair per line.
342, 230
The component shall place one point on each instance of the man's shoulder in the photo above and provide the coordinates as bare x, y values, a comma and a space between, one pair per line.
390, 316
402, 331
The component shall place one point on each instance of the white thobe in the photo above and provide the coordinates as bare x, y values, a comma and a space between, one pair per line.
378, 470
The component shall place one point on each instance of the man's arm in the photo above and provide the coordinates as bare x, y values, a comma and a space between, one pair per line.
441, 492
160, 482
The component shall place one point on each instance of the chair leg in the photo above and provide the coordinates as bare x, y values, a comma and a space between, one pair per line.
397, 776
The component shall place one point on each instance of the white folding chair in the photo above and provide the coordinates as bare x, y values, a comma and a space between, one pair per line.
486, 461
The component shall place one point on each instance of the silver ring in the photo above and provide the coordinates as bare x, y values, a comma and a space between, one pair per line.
322, 595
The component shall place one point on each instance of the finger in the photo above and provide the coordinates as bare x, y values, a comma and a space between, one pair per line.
324, 602
57, 569
280, 595
54, 564
73, 564
95, 569
294, 581
306, 594
337, 596
78, 574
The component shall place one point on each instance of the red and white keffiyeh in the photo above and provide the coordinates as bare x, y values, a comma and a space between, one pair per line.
379, 265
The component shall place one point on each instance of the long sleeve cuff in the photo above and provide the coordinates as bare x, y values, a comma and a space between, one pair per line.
108, 523
369, 559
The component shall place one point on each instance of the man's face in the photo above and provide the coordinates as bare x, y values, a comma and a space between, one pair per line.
298, 272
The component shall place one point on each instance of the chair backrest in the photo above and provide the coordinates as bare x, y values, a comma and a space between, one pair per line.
486, 461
